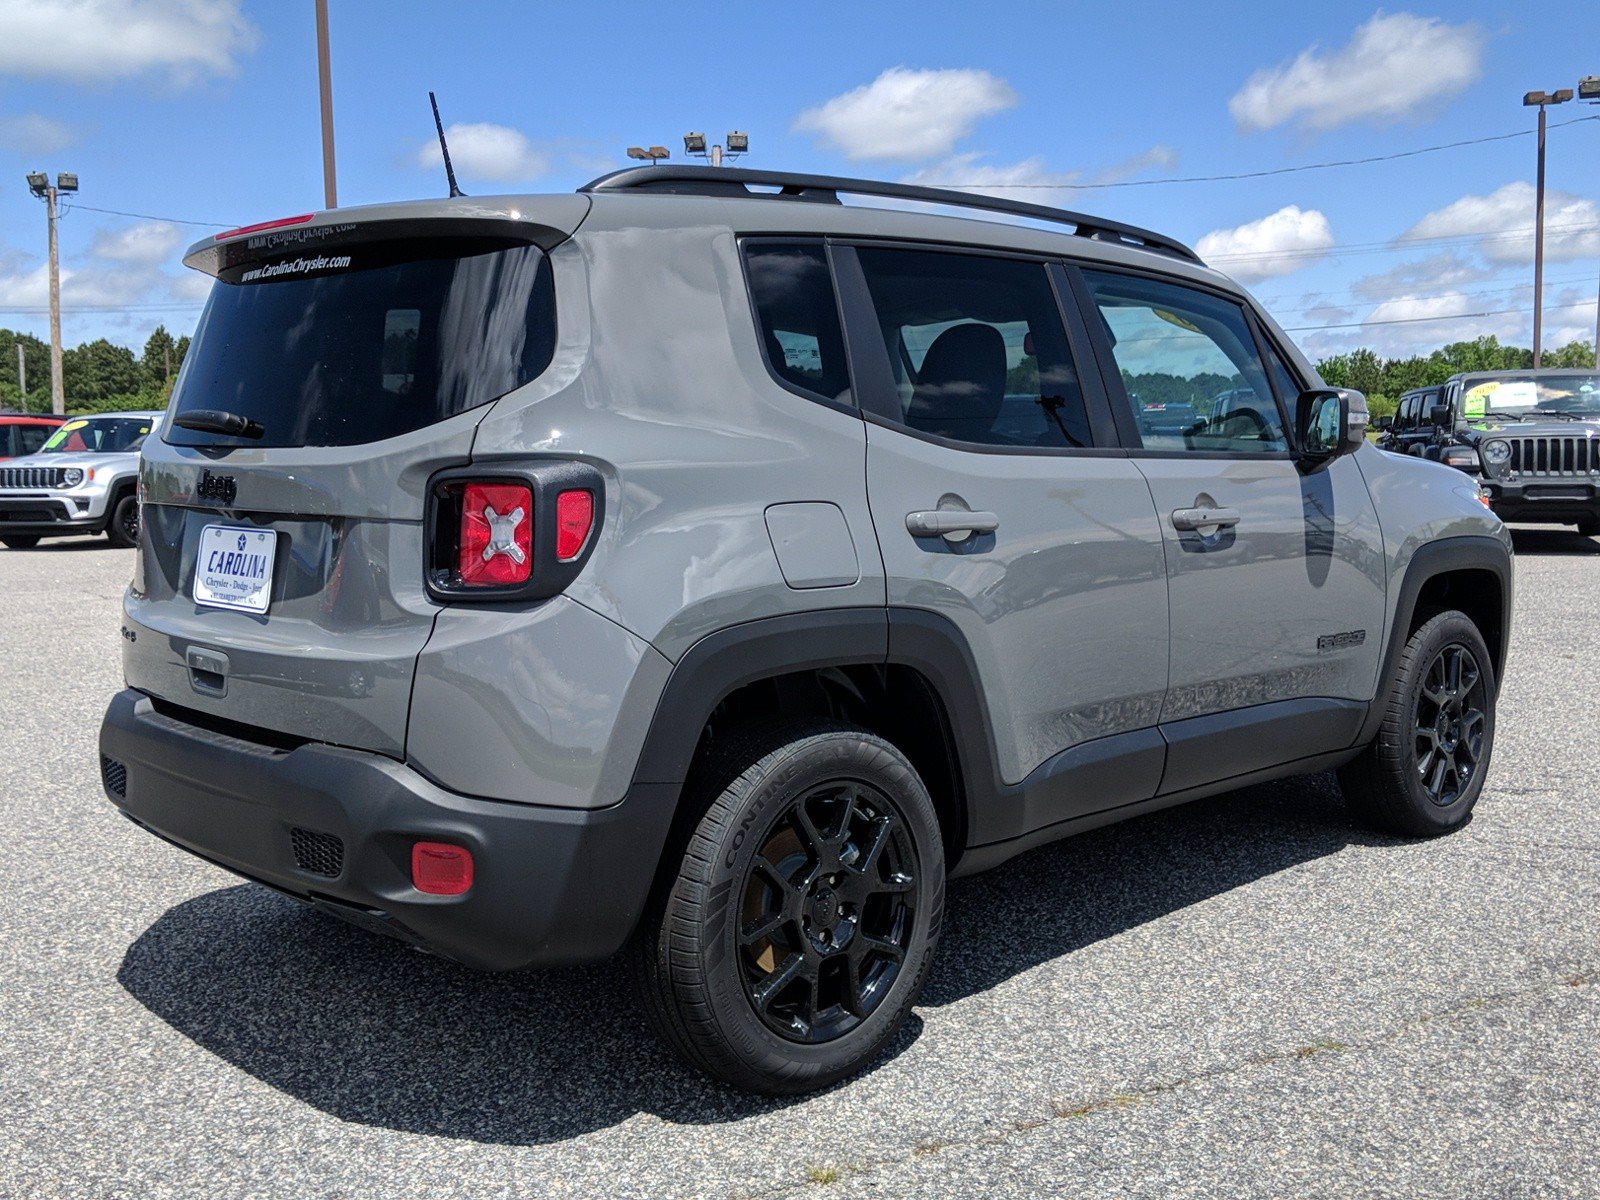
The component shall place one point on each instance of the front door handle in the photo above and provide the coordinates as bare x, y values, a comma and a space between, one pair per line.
1188, 519
945, 522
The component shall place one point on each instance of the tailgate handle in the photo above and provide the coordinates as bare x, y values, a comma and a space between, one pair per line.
208, 671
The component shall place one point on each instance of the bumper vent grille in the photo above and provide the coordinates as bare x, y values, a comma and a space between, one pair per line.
317, 853
1554, 455
114, 775
30, 477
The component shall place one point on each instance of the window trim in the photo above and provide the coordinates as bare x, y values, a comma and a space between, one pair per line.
1112, 376
880, 399
756, 326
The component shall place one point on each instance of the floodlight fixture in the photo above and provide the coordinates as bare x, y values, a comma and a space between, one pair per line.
38, 182
67, 181
738, 142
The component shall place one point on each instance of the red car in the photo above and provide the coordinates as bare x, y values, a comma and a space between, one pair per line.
24, 433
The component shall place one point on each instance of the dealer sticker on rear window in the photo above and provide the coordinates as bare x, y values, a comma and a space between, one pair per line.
233, 567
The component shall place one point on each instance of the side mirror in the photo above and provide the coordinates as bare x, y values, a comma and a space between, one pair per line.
1328, 423
1384, 422
1439, 414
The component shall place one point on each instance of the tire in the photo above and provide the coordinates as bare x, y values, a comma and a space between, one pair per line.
123, 527
779, 960
19, 541
1423, 773
1589, 526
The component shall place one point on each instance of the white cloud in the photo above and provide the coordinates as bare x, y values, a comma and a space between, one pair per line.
484, 151
1030, 179
1434, 273
1406, 324
1397, 67
1503, 221
35, 133
905, 115
149, 243
97, 41
1278, 244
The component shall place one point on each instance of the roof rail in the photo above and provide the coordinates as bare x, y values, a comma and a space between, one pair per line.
735, 181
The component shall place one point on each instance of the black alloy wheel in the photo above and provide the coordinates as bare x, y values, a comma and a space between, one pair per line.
1450, 724
828, 907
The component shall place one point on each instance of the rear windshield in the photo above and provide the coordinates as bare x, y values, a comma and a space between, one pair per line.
365, 342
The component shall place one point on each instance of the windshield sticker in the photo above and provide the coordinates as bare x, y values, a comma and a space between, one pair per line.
297, 266
71, 425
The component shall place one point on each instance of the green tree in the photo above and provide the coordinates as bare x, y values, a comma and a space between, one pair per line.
158, 365
98, 370
1572, 355
36, 356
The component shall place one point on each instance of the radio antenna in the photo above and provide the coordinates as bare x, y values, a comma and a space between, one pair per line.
444, 148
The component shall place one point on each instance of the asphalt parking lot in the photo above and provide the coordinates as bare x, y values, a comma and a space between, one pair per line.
1246, 997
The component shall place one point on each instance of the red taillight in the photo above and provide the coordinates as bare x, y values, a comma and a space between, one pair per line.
440, 869
574, 519
259, 226
495, 544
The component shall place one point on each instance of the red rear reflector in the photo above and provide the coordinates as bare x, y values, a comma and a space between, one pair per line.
496, 539
257, 228
574, 519
441, 869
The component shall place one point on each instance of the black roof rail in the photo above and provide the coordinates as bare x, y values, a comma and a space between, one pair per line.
735, 181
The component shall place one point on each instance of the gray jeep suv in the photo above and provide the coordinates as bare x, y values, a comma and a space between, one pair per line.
702, 566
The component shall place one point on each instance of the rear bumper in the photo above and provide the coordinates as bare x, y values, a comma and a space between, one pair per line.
1553, 499
551, 886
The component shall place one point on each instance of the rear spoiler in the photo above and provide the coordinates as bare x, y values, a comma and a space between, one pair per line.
545, 221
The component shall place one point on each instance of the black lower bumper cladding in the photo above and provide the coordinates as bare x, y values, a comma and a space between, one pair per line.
334, 827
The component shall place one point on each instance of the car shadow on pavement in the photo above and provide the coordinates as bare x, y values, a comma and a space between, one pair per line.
372, 1032
1553, 541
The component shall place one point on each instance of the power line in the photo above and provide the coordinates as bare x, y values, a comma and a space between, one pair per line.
1496, 312
1321, 166
117, 212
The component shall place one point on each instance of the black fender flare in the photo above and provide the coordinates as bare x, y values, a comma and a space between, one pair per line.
722, 662
1469, 552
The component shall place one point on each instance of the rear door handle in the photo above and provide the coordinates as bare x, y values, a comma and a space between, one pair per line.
1188, 519
943, 522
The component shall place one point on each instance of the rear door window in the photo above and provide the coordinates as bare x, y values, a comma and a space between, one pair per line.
357, 346
977, 347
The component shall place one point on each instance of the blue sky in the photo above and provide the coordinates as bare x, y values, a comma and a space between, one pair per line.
206, 111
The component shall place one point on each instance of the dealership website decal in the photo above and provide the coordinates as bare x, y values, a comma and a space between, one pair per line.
297, 266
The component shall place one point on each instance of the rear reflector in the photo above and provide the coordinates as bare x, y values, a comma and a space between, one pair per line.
257, 228
574, 519
440, 869
496, 539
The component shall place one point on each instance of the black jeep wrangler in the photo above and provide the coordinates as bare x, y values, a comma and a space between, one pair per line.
1531, 437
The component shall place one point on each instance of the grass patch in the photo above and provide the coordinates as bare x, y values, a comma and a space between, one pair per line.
824, 1173
1329, 1047
1068, 1112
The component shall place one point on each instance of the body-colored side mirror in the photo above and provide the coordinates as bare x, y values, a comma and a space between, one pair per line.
1329, 422
1439, 414
1384, 423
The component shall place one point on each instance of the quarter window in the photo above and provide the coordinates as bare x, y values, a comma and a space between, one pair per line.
977, 348
1189, 364
799, 318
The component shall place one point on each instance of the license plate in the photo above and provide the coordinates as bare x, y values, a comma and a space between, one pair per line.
233, 567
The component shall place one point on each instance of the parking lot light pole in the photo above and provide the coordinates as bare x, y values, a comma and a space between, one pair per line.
1541, 101
39, 184
22, 377
330, 189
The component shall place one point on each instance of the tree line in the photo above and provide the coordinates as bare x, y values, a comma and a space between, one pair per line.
1385, 379
97, 376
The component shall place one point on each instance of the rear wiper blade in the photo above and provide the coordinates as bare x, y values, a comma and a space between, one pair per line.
214, 420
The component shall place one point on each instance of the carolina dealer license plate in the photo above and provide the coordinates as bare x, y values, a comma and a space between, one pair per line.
233, 567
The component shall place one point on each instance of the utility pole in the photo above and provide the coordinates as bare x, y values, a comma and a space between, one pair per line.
330, 191
1542, 101
22, 376
39, 184
1589, 92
